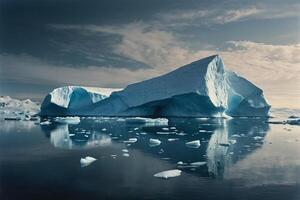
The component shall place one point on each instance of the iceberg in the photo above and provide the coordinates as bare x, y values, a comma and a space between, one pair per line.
203, 88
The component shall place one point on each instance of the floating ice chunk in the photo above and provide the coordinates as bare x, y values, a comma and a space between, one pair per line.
120, 120
257, 138
143, 120
131, 140
67, 120
173, 128
172, 139
104, 129
198, 164
193, 144
71, 134
135, 129
164, 133
154, 142
125, 154
231, 141
168, 174
165, 129
236, 135
87, 161
125, 150
180, 163
45, 123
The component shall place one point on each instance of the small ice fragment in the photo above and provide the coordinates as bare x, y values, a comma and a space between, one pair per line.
143, 133
126, 154
198, 164
45, 123
154, 142
71, 134
165, 129
162, 133
104, 129
193, 144
136, 129
125, 150
131, 140
87, 161
113, 156
173, 128
235, 135
168, 174
181, 134
67, 120
257, 138
180, 163
231, 141
172, 139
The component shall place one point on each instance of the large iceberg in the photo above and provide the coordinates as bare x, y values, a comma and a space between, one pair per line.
202, 88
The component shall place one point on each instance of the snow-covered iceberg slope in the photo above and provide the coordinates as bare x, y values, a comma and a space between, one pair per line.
17, 109
73, 100
201, 88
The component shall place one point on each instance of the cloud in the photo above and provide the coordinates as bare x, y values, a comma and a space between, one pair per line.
32, 70
274, 68
223, 15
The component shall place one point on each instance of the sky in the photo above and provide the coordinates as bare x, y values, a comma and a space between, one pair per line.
46, 44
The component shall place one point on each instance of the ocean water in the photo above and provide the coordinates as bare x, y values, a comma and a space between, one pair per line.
244, 158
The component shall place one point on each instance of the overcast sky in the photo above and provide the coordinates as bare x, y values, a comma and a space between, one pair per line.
111, 43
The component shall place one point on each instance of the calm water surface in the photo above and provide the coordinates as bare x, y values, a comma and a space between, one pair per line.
245, 159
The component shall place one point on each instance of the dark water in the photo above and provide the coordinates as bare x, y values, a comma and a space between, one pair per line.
245, 159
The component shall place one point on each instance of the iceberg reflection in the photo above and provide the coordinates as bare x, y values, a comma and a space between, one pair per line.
220, 142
